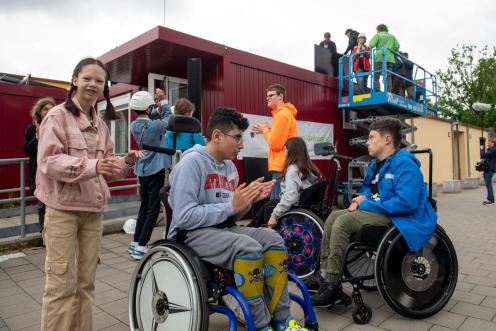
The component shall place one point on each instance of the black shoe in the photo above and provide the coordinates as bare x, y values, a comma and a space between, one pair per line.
488, 203
329, 295
38, 243
314, 282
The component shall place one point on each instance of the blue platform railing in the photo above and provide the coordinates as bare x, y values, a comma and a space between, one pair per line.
424, 93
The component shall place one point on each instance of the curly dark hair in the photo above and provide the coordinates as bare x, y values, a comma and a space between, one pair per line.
224, 119
389, 125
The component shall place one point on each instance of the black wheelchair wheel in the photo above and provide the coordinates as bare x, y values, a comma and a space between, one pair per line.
167, 291
362, 314
416, 285
302, 232
361, 262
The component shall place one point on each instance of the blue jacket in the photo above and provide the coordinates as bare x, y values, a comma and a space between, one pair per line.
490, 155
403, 197
151, 132
184, 140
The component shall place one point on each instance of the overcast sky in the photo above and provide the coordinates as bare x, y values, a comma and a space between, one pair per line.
47, 38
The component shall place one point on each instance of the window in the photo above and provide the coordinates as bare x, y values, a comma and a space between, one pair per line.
119, 129
176, 88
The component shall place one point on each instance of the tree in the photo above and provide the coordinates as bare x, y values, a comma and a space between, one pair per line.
470, 77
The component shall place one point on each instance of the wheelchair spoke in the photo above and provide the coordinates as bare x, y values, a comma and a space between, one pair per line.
154, 282
155, 325
174, 308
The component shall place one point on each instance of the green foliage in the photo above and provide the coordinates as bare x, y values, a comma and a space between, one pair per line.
470, 77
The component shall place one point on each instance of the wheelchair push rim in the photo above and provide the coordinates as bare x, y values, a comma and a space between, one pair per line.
166, 292
416, 285
302, 232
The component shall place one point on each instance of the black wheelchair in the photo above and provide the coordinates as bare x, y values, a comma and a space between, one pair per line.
414, 284
173, 289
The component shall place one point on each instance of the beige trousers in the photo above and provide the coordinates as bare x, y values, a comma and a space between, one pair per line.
72, 240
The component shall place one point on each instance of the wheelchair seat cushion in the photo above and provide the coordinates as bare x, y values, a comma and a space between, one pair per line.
370, 235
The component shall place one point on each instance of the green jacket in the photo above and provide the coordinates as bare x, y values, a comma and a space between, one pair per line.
386, 40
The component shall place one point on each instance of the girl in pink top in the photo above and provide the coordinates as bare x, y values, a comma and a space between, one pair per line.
75, 162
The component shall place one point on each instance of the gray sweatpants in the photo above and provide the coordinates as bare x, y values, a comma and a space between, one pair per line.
221, 247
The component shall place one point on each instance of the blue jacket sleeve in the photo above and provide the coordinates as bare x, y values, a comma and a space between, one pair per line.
407, 183
366, 182
198, 138
189, 213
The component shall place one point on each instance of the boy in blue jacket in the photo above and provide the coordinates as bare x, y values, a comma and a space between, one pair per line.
148, 128
207, 201
393, 190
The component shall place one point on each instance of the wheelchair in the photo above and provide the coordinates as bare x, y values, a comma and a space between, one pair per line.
172, 289
414, 284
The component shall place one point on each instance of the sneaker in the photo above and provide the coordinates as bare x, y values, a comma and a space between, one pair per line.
329, 294
131, 247
139, 252
313, 282
289, 324
488, 203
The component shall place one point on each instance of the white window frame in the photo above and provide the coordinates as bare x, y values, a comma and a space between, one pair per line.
120, 103
153, 77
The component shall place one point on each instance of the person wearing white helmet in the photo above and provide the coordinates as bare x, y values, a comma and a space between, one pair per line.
150, 169
361, 63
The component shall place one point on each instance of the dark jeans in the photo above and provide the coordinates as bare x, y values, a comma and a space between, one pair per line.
41, 215
150, 206
276, 190
263, 214
488, 178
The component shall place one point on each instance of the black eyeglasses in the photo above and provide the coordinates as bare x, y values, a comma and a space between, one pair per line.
239, 139
269, 96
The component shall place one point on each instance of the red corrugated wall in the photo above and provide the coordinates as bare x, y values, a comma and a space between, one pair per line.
16, 102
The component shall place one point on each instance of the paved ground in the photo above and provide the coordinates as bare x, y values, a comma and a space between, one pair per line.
473, 306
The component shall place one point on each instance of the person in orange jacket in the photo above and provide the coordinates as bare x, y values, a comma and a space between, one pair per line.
283, 128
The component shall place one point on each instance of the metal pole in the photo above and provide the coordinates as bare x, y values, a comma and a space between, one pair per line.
468, 152
458, 152
23, 202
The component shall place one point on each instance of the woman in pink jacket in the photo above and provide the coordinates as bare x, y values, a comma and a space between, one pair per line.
75, 162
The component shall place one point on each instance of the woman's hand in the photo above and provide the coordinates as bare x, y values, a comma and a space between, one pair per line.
272, 222
132, 156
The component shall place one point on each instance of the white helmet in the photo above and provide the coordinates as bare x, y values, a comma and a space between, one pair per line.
141, 100
362, 35
129, 226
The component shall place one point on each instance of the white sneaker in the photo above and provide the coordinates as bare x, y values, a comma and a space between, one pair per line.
139, 252
131, 247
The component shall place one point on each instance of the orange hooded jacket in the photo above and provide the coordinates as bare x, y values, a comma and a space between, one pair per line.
283, 128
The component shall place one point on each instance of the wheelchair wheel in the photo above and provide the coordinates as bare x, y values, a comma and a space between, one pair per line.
302, 232
361, 262
167, 291
416, 285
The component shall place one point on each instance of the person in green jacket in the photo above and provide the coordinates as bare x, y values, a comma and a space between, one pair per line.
383, 39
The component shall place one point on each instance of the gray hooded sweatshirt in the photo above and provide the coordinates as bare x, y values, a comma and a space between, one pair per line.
201, 192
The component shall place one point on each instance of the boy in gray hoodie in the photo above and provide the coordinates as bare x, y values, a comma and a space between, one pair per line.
207, 201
